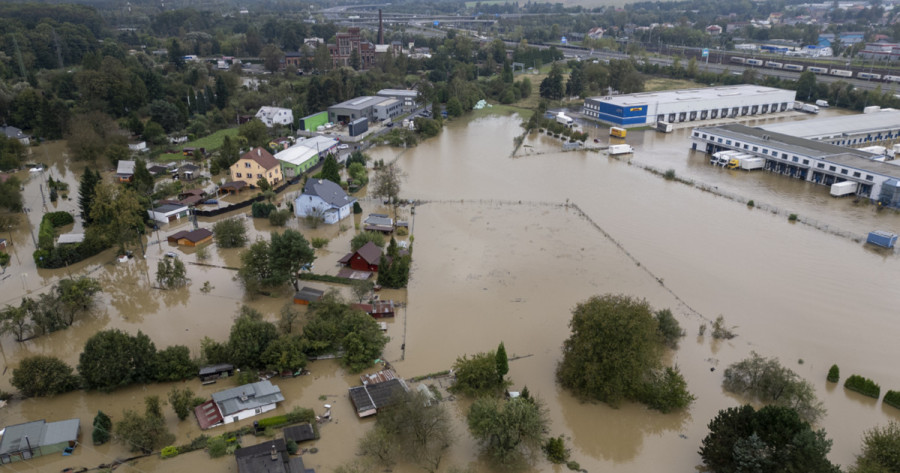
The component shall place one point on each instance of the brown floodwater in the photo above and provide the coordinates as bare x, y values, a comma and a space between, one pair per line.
500, 256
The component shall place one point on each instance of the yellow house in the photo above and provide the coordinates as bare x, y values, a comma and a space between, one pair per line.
256, 164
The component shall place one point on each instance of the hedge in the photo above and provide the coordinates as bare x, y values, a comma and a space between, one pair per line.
892, 398
58, 219
864, 386
169, 452
296, 416
834, 374
324, 278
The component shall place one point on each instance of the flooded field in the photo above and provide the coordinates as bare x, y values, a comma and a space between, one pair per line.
505, 247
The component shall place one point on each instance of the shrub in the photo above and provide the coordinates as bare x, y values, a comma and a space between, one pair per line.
357, 209
169, 452
360, 239
864, 386
669, 328
291, 447
58, 219
892, 398
274, 421
720, 330
216, 446
319, 242
834, 374
323, 278
261, 209
750, 203
555, 449
279, 218
402, 231
197, 443
792, 218
669, 175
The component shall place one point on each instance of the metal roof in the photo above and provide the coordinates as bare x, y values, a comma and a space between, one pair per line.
297, 155
328, 191
125, 167
14, 436
675, 96
360, 103
62, 431
319, 143
861, 123
170, 208
248, 396
398, 93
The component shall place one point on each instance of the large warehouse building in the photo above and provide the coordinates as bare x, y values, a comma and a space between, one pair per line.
877, 126
372, 108
688, 105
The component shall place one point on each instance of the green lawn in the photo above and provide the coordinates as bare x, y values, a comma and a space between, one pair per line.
211, 143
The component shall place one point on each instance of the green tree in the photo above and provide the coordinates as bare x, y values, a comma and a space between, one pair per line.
507, 430
360, 239
89, 181
77, 296
256, 271
288, 252
502, 362
334, 326
174, 364
454, 107
774, 438
386, 184
361, 288
154, 133
170, 273
144, 433
552, 86
330, 169
41, 375
668, 327
478, 376
16, 320
285, 354
222, 93
355, 62
575, 84
613, 351
102, 428
286, 318
806, 86
880, 450
249, 337
255, 132
143, 180
182, 401
112, 359
410, 428
358, 173
362, 342
230, 233
11, 194
117, 215
766, 381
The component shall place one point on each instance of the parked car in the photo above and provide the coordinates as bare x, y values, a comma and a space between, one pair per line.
343, 146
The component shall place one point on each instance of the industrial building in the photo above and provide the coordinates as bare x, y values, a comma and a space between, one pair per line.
373, 108
688, 105
408, 97
879, 125
801, 158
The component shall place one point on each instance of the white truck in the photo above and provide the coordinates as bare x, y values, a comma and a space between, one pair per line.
664, 127
615, 150
840, 189
822, 103
752, 163
809, 108
564, 119
722, 158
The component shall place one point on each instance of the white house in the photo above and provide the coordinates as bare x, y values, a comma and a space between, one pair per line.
138, 147
324, 198
272, 116
238, 403
168, 212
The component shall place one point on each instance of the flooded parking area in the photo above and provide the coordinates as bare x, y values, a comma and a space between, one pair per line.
504, 248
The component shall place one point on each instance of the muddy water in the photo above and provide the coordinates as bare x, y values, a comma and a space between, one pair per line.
500, 256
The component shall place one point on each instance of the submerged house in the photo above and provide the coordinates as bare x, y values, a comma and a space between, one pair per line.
366, 258
369, 398
270, 456
191, 238
325, 199
211, 373
242, 402
33, 439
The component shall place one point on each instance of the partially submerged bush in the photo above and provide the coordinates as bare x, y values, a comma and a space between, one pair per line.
862, 385
834, 374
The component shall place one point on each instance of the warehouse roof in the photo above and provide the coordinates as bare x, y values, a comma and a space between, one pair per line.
360, 103
297, 154
815, 149
674, 96
840, 125
398, 93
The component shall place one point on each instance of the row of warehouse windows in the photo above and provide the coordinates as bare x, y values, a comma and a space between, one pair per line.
774, 154
724, 113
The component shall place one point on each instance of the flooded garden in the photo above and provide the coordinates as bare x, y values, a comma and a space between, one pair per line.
505, 248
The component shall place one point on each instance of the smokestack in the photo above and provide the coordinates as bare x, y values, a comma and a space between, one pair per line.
380, 28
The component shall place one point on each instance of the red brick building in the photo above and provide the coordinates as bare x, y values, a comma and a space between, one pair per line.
348, 42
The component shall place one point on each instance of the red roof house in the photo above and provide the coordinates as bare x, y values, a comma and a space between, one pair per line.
363, 259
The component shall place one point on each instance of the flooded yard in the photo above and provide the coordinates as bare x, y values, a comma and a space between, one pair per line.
505, 247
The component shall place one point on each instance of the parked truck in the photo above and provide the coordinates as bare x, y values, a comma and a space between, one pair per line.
617, 132
620, 149
806, 107
664, 127
822, 103
843, 188
564, 119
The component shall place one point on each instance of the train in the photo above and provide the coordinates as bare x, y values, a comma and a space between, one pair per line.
815, 69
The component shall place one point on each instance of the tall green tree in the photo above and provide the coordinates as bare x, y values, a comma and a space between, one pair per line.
552, 86
330, 169
255, 132
478, 376
249, 338
144, 433
288, 252
502, 362
142, 180
117, 215
174, 364
765, 380
575, 84
774, 438
222, 93
102, 428
181, 401
113, 359
86, 190
77, 296
880, 450
806, 86
11, 194
230, 233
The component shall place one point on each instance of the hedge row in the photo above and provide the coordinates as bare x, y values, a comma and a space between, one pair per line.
324, 278
864, 386
892, 398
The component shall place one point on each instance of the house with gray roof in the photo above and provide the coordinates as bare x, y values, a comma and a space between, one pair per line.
242, 402
125, 170
324, 199
33, 439
270, 456
168, 212
14, 133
